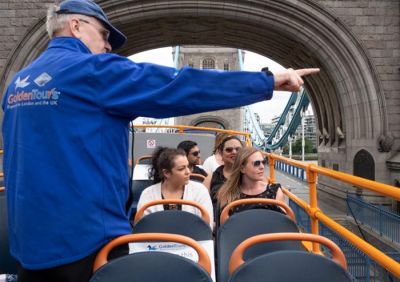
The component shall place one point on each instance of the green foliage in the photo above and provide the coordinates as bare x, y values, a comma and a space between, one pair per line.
308, 147
286, 149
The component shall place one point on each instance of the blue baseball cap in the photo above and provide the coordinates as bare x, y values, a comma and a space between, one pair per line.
91, 9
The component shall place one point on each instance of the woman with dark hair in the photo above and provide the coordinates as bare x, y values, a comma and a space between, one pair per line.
170, 171
246, 181
228, 149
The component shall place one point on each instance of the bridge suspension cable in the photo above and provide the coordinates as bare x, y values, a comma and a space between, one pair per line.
286, 125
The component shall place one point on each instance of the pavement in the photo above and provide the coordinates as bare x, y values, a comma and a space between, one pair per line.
300, 189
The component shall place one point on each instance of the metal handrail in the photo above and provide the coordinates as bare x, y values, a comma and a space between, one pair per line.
317, 215
380, 220
1, 173
181, 129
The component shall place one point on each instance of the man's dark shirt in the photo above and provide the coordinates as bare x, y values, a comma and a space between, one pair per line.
199, 170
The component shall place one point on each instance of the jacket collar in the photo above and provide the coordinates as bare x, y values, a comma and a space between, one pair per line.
70, 43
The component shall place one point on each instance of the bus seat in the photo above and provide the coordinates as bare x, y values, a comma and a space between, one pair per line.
197, 177
140, 181
289, 265
146, 159
151, 266
176, 222
243, 225
137, 188
204, 214
7, 264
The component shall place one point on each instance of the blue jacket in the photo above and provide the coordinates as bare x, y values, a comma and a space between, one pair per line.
65, 130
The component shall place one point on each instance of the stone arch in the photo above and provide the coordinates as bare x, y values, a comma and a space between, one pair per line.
346, 95
207, 119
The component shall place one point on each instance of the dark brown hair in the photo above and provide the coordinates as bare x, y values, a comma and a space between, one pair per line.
163, 158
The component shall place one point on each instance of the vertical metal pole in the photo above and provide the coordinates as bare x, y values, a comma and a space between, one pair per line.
302, 135
271, 169
312, 184
176, 59
367, 269
240, 59
290, 147
380, 220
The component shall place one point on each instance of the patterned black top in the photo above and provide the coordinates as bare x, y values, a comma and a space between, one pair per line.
269, 193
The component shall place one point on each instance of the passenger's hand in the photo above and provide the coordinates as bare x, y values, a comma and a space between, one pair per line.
291, 80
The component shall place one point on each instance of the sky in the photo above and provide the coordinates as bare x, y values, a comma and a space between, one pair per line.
252, 62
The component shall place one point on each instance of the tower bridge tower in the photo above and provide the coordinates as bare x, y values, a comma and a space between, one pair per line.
211, 57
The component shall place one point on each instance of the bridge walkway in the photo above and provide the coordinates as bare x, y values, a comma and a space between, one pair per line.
300, 189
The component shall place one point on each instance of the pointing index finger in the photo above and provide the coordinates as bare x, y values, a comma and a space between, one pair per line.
303, 72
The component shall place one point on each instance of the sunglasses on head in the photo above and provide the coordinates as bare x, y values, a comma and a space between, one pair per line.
230, 149
195, 153
259, 162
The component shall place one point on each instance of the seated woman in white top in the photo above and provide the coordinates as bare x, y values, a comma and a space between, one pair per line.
170, 171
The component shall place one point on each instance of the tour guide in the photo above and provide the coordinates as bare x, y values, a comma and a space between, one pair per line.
65, 130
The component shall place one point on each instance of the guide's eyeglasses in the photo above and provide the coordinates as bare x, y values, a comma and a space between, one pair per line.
230, 149
259, 162
195, 153
105, 34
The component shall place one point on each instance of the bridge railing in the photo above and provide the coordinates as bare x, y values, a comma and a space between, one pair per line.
317, 216
181, 130
361, 266
298, 172
375, 217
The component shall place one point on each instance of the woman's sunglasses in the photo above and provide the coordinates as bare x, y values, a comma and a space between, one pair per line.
259, 162
230, 149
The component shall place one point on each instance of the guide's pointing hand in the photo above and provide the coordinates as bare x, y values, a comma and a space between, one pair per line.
291, 80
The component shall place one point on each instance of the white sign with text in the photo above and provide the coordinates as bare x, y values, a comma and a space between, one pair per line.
177, 249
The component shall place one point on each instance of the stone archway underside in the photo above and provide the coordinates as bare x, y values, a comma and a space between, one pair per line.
294, 33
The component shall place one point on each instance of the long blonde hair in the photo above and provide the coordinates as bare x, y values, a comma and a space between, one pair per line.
230, 191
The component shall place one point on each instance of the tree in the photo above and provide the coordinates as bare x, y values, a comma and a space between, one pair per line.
308, 147
286, 149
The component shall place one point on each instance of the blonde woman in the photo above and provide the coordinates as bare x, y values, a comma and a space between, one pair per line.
246, 181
